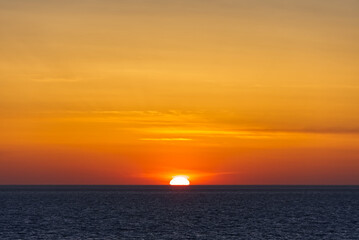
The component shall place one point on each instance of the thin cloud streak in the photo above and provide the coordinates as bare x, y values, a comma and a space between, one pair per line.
166, 139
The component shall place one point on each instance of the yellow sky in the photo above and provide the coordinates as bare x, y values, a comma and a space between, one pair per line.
133, 92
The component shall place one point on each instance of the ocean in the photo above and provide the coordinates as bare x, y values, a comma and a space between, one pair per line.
167, 212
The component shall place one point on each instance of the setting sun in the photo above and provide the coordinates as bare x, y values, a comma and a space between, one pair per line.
179, 180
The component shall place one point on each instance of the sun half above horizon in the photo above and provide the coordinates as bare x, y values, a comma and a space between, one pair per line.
179, 181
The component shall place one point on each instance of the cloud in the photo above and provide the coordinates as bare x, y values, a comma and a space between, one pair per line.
151, 125
166, 139
253, 133
55, 80
168, 173
220, 133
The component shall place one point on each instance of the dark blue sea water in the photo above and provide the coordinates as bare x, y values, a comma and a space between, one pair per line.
164, 212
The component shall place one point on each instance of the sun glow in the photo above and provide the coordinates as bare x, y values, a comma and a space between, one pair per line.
179, 181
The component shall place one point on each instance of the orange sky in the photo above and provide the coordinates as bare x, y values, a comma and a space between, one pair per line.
135, 92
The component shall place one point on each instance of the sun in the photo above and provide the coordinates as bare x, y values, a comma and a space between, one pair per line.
179, 181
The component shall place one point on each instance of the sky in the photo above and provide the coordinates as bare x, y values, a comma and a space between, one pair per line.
138, 91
